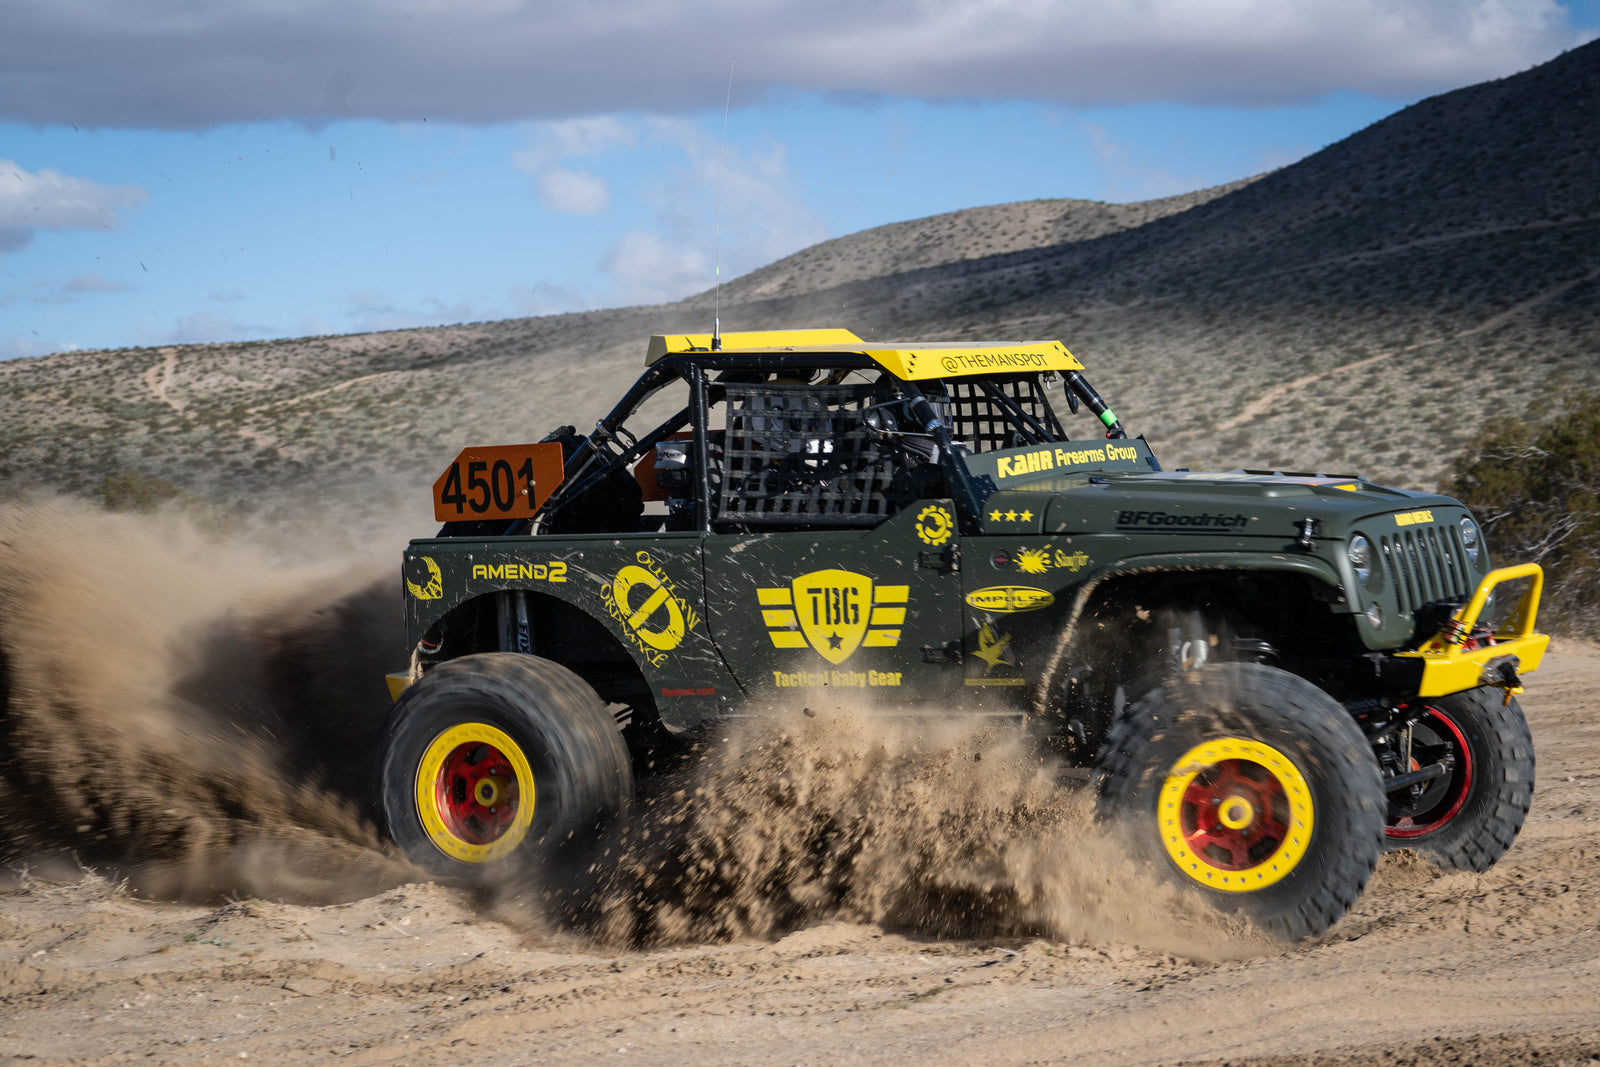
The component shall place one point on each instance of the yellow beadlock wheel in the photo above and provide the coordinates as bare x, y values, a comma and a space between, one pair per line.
475, 792
1235, 814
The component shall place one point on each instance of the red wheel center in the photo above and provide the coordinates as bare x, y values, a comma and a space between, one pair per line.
476, 793
1235, 814
1444, 797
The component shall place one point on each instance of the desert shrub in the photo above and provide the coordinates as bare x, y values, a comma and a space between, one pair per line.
1535, 487
134, 490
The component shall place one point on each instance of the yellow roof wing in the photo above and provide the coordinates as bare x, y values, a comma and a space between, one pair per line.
778, 340
911, 361
956, 360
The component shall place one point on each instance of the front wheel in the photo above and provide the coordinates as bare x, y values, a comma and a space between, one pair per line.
495, 759
1465, 819
1251, 787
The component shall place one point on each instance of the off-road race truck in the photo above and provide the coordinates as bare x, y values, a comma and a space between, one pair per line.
1269, 675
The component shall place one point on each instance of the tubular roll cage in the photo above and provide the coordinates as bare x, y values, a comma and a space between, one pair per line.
588, 465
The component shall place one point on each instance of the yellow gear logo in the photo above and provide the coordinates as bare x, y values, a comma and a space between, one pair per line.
934, 525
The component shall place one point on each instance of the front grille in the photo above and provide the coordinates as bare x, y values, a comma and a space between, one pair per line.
1426, 564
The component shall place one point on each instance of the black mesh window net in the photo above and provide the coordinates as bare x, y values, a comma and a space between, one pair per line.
989, 414
801, 454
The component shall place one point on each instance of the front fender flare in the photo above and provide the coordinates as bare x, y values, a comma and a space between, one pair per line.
1172, 562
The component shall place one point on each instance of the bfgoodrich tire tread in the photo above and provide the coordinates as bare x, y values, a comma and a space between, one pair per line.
580, 762
1273, 706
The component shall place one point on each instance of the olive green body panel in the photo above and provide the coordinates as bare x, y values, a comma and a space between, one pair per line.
841, 613
646, 590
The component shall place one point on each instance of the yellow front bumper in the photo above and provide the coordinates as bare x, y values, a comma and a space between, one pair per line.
1448, 668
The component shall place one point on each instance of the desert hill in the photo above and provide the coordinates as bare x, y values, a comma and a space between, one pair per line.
1362, 310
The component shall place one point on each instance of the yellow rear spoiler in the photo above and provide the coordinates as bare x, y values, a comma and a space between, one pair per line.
1447, 668
908, 361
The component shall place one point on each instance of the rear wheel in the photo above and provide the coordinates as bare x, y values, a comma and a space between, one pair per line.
1251, 787
1465, 819
495, 759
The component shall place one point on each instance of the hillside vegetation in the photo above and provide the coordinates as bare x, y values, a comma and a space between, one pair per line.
1364, 310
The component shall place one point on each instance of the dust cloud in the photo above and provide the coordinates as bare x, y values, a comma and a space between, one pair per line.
929, 825
200, 714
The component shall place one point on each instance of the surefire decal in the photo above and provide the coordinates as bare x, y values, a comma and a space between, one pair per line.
523, 572
1041, 560
1008, 599
1033, 560
433, 588
654, 617
935, 525
834, 612
1413, 518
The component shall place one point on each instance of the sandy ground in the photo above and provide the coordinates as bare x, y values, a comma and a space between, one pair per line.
1502, 967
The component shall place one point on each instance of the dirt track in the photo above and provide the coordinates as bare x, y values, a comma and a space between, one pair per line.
1503, 967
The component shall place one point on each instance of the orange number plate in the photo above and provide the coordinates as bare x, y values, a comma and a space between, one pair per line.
497, 482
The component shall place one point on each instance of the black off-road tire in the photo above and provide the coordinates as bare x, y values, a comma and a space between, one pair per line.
1482, 803
499, 726
1260, 713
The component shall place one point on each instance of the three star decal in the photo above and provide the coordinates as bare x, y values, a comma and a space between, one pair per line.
1010, 516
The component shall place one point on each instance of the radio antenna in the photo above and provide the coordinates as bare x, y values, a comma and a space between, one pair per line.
716, 225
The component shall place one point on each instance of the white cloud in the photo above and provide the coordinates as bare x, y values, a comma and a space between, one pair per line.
1127, 179
18, 347
210, 327
756, 218
576, 192
371, 312
195, 63
92, 283
648, 268
50, 200
58, 292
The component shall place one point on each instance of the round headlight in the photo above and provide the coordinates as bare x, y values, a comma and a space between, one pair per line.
1359, 552
1469, 537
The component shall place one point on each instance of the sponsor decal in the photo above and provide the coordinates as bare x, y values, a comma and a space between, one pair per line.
1413, 518
980, 361
654, 617
834, 612
1033, 560
1046, 459
433, 588
521, 572
1009, 599
1041, 560
846, 679
688, 691
1070, 561
1162, 520
935, 525
993, 649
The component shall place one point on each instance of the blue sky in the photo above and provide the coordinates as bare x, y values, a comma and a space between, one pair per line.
178, 171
